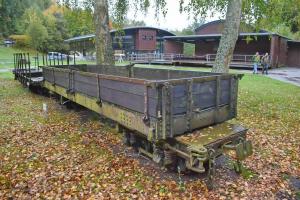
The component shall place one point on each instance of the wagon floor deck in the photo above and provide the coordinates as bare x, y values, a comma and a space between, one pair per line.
210, 134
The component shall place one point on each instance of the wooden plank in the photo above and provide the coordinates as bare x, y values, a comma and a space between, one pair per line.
131, 120
128, 100
128, 87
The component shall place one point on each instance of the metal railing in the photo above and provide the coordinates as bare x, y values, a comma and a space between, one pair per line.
59, 60
148, 57
153, 57
22, 67
241, 58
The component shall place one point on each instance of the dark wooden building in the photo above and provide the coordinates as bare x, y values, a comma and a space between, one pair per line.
127, 40
293, 53
283, 51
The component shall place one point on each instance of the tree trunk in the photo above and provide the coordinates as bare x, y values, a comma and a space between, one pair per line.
229, 37
104, 51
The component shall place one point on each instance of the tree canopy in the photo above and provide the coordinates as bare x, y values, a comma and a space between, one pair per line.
67, 18
12, 10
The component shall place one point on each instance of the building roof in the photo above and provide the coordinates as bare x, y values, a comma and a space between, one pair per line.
79, 38
294, 41
221, 21
127, 30
193, 38
209, 23
134, 28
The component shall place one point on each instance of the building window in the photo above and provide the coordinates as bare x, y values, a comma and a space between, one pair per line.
147, 37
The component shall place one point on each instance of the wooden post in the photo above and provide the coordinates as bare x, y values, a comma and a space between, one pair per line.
68, 59
15, 67
218, 98
26, 69
38, 60
74, 59
22, 68
29, 63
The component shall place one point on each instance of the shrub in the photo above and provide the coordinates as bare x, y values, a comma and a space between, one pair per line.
21, 41
38, 35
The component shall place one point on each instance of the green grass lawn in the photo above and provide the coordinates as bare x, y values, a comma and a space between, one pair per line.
7, 56
6, 75
270, 99
7, 52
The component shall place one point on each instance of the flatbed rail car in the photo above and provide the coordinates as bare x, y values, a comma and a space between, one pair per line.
24, 72
174, 117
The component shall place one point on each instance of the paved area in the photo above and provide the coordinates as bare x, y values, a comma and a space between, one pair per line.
5, 70
286, 74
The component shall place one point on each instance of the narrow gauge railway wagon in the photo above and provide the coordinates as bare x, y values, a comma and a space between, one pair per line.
172, 116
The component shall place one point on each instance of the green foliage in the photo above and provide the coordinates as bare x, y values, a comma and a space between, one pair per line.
282, 17
22, 41
38, 35
132, 23
279, 16
79, 21
57, 33
31, 15
189, 49
252, 10
42, 21
12, 10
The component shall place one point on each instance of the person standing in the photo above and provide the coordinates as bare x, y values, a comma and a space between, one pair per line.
265, 63
256, 59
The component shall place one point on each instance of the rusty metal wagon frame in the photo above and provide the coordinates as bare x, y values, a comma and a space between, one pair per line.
154, 115
175, 117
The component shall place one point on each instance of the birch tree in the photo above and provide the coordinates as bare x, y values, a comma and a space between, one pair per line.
229, 37
104, 50
234, 10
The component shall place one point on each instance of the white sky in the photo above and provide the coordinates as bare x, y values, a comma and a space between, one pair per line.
174, 20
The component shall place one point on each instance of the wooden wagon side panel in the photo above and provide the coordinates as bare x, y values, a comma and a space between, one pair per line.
48, 74
85, 83
150, 74
178, 74
129, 95
210, 100
61, 78
57, 76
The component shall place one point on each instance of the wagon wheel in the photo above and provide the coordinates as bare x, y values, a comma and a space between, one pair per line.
158, 155
126, 138
181, 165
134, 142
